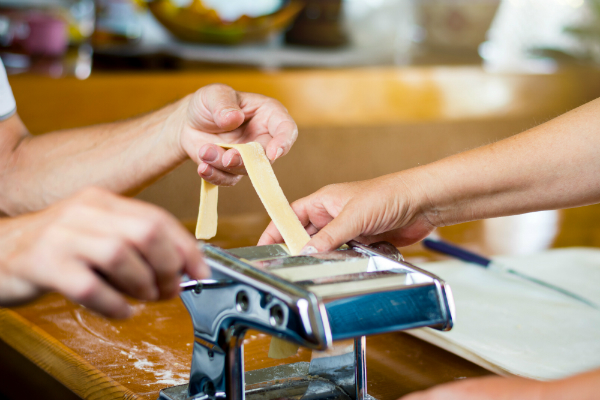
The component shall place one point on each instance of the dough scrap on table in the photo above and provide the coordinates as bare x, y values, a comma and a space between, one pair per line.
280, 348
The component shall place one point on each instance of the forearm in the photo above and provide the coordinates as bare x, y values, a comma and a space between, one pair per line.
555, 165
122, 157
584, 386
579, 387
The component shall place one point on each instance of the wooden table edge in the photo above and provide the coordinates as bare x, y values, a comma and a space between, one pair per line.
58, 360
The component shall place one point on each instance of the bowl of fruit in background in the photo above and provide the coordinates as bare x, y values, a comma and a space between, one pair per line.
230, 23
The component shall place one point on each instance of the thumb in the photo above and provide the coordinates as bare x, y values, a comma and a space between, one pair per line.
340, 230
215, 108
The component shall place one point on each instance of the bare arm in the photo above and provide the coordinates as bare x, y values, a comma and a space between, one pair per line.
122, 157
554, 165
126, 156
580, 387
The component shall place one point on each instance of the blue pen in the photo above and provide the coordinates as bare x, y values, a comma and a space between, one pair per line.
453, 250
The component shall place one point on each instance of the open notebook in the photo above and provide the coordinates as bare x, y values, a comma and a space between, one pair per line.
514, 327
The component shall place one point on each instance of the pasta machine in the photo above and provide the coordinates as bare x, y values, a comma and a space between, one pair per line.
315, 301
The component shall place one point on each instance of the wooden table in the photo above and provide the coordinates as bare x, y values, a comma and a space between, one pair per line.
56, 349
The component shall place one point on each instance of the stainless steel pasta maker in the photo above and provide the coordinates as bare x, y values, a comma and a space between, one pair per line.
315, 301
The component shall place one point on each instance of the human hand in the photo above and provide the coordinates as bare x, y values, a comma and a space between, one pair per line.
95, 248
219, 114
385, 208
488, 388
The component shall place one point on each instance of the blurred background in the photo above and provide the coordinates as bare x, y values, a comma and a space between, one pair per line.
72, 37
376, 86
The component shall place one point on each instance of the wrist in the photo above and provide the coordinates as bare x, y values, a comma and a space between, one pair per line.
418, 186
445, 194
173, 126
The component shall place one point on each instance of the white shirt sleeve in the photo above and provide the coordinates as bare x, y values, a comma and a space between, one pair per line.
8, 106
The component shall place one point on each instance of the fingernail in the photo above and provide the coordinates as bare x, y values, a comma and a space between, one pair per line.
279, 153
209, 154
226, 111
308, 250
127, 312
205, 170
235, 161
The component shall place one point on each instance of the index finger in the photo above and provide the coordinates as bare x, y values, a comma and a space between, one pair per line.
228, 160
271, 235
280, 126
284, 131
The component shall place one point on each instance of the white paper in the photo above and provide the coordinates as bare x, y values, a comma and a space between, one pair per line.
510, 324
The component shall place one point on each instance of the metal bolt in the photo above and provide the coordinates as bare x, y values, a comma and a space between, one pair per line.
209, 388
242, 301
198, 288
276, 315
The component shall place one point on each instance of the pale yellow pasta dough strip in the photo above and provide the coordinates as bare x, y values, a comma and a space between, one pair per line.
265, 183
280, 348
206, 227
